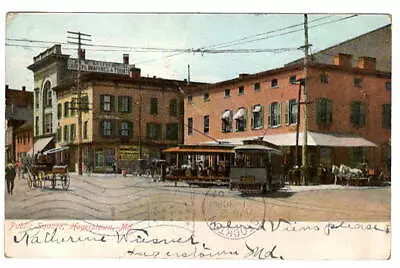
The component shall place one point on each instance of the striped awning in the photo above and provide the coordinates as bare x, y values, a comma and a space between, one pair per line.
39, 145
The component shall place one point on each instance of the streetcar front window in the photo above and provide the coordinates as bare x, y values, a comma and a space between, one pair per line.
251, 160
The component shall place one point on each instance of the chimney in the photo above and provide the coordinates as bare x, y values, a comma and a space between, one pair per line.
125, 58
342, 59
134, 73
242, 75
367, 63
23, 88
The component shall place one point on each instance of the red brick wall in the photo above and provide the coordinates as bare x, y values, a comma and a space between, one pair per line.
23, 142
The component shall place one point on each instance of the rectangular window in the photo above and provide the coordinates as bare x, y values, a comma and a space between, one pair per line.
59, 135
173, 107
190, 99
153, 106
206, 124
59, 111
357, 81
85, 104
206, 97
257, 118
226, 121
241, 91
66, 134
85, 130
357, 117
48, 123
323, 111
153, 131
124, 104
106, 128
274, 83
227, 93
241, 119
274, 116
291, 112
172, 131
37, 98
99, 158
323, 78
107, 103
386, 115
37, 125
125, 129
190, 126
388, 85
109, 157
73, 106
66, 109
73, 132
292, 79
257, 86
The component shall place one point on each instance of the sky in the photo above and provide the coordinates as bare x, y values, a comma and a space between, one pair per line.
178, 31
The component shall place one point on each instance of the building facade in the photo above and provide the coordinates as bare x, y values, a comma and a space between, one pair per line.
18, 115
125, 118
51, 68
350, 106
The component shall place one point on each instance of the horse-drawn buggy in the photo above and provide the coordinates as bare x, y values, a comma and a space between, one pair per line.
44, 170
362, 175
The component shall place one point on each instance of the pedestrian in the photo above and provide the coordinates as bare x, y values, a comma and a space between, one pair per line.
114, 166
10, 176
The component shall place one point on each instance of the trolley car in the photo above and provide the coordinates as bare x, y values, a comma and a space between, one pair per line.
257, 167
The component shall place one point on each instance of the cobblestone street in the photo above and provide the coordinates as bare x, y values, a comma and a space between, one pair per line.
113, 197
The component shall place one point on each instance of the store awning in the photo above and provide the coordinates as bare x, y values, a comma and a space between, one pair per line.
39, 145
239, 114
313, 139
226, 115
199, 149
55, 150
257, 109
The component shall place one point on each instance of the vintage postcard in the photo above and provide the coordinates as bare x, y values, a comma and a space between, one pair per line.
198, 136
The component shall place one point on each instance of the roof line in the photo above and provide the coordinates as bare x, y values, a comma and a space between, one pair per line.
343, 42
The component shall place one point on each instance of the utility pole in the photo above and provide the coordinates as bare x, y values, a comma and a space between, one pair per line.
78, 101
305, 100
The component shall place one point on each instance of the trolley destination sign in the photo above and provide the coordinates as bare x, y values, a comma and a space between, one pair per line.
99, 66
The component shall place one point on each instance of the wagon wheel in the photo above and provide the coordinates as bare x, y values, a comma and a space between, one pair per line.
65, 181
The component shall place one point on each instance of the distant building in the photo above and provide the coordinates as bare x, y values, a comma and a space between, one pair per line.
350, 111
17, 114
376, 44
126, 117
51, 68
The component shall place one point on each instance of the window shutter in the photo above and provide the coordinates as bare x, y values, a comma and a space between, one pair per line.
102, 103
362, 114
269, 114
120, 103
245, 119
262, 116
223, 124
101, 124
353, 113
114, 129
287, 111
329, 111
318, 111
130, 129
112, 100
148, 130
279, 114
252, 118
129, 104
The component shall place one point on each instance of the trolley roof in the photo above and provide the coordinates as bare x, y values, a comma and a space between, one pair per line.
256, 147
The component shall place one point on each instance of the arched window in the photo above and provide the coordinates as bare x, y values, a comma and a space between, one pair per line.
241, 118
257, 117
47, 94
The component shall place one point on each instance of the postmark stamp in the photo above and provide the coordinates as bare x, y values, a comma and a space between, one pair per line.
225, 216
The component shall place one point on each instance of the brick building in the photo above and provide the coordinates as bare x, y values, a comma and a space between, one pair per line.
128, 117
18, 116
349, 113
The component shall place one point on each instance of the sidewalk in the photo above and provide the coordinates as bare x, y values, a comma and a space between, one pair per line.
322, 187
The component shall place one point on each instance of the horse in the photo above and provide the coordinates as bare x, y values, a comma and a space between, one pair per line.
335, 172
